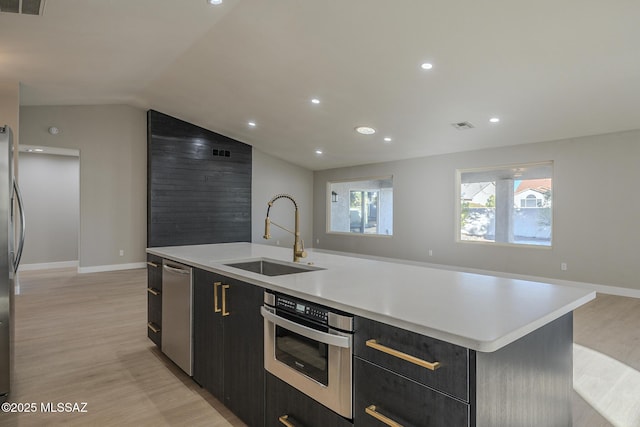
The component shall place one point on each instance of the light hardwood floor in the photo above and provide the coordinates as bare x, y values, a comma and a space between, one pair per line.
82, 338
606, 362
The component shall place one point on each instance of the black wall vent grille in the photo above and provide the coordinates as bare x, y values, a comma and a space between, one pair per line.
221, 153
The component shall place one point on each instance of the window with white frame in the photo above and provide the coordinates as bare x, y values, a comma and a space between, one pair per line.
511, 204
362, 206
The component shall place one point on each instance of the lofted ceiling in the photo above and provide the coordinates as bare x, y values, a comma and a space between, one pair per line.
547, 69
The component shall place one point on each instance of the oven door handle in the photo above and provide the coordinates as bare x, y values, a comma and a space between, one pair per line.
323, 337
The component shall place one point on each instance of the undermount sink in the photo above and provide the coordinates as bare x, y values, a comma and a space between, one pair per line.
272, 267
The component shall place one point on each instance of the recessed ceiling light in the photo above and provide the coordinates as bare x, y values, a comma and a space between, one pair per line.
387, 139
426, 66
318, 152
365, 130
252, 124
494, 119
214, 2
38, 150
315, 101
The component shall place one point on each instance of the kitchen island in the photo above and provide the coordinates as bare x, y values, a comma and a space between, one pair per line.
516, 335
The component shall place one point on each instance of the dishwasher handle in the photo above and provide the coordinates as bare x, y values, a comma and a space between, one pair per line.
177, 270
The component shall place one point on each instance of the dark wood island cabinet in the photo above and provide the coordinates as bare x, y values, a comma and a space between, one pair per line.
228, 342
286, 404
414, 380
409, 379
454, 367
154, 299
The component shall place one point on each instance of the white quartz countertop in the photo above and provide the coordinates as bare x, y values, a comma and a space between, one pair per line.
480, 312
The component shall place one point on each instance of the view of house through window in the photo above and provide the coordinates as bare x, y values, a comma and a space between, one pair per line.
507, 204
361, 206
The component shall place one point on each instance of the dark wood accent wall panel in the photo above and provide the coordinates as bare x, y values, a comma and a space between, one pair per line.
199, 185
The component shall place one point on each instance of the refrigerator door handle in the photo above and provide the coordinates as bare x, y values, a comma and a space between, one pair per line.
18, 255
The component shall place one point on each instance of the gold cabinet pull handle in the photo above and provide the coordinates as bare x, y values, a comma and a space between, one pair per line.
224, 300
153, 291
216, 308
284, 419
371, 410
152, 264
153, 327
404, 356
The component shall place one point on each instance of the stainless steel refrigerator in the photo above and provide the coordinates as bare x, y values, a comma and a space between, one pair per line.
10, 253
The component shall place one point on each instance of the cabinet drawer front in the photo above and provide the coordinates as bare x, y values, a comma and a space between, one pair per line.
154, 272
287, 406
154, 308
154, 333
154, 298
383, 397
429, 361
154, 261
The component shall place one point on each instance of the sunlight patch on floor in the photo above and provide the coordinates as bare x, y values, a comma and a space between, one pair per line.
609, 386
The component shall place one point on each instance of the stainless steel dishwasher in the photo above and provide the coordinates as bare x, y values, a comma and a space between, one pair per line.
177, 314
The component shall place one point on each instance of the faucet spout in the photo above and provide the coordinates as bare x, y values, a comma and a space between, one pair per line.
298, 244
267, 229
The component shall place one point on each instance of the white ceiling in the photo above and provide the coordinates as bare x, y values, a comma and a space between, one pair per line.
548, 69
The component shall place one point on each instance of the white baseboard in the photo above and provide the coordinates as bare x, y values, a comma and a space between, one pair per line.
81, 270
48, 265
113, 267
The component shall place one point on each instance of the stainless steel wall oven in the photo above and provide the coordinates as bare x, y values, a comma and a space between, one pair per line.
310, 347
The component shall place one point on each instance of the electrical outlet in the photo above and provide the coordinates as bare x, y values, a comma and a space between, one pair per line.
121, 252
430, 252
317, 241
563, 266
277, 242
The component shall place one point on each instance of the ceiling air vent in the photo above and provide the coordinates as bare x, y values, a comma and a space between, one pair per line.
462, 125
25, 7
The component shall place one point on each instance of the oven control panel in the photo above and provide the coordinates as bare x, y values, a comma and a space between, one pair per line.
303, 308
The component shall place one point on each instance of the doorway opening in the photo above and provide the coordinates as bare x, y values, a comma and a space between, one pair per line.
49, 179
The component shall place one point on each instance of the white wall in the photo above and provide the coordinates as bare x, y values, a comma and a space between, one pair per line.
51, 194
340, 209
599, 244
273, 176
597, 236
113, 144
385, 212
